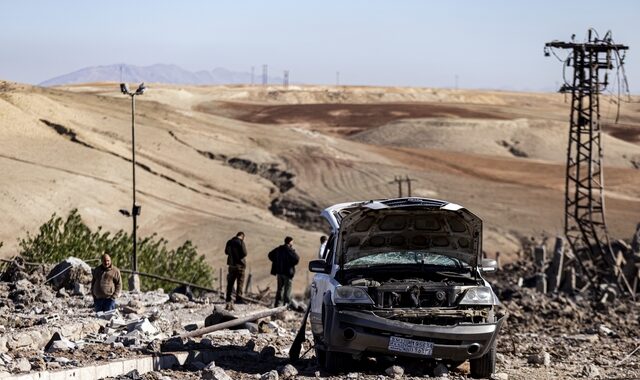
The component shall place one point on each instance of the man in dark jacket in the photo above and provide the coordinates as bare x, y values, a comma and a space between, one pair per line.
284, 259
236, 253
106, 285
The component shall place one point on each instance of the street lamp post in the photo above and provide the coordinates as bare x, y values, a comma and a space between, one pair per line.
134, 280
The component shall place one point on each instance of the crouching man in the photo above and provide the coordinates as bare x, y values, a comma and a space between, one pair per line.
106, 285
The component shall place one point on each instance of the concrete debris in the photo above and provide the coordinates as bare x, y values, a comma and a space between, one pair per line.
288, 372
69, 272
590, 371
21, 365
395, 371
178, 297
271, 375
57, 343
216, 373
541, 326
542, 358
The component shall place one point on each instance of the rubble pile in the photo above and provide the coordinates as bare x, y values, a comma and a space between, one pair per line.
548, 334
564, 334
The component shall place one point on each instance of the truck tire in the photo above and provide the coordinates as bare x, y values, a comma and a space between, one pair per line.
484, 366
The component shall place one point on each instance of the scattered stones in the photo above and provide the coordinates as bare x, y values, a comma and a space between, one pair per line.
542, 358
590, 371
271, 375
395, 371
289, 372
21, 365
178, 298
499, 376
216, 373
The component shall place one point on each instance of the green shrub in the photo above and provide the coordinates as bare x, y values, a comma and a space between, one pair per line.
58, 239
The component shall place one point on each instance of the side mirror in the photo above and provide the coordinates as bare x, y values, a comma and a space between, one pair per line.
319, 266
489, 266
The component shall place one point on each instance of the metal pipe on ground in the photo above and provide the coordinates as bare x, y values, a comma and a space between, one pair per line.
235, 322
194, 286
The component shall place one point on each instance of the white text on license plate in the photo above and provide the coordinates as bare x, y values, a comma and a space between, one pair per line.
410, 346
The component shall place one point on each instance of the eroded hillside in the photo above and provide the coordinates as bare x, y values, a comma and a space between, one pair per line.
215, 160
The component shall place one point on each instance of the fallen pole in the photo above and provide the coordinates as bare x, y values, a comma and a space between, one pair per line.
235, 322
193, 286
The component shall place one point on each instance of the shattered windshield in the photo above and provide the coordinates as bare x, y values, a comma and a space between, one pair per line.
406, 257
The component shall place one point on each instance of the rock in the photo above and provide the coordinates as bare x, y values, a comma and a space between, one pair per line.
211, 365
3, 343
44, 295
289, 372
178, 298
66, 273
216, 373
52, 366
499, 376
22, 365
605, 331
5, 359
268, 352
78, 289
61, 346
58, 343
20, 340
353, 375
590, 371
542, 358
252, 327
117, 345
441, 370
271, 375
144, 327
395, 371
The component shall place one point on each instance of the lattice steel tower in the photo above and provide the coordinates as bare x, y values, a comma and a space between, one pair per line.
585, 224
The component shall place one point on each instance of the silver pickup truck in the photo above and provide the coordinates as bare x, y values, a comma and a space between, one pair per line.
403, 277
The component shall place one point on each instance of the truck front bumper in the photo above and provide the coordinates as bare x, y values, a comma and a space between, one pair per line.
356, 332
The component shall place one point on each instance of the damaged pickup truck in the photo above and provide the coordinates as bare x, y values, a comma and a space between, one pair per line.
403, 277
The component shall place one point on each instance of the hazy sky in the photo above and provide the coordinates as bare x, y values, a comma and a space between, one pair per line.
487, 44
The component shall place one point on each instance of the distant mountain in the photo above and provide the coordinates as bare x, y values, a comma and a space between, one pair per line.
159, 73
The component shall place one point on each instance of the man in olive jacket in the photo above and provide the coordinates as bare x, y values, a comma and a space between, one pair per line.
236, 253
284, 260
106, 285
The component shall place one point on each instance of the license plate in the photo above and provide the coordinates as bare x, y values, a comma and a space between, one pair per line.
410, 346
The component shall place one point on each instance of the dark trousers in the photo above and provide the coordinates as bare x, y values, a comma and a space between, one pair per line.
235, 274
104, 304
283, 294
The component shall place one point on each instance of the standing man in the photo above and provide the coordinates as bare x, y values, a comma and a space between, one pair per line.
236, 253
106, 285
284, 259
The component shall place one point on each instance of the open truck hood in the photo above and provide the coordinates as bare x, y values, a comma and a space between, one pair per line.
418, 224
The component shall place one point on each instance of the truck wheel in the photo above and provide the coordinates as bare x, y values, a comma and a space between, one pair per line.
485, 365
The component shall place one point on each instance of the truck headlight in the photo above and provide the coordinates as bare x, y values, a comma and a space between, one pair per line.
351, 294
479, 295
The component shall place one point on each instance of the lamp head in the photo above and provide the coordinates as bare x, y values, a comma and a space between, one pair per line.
141, 89
124, 88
